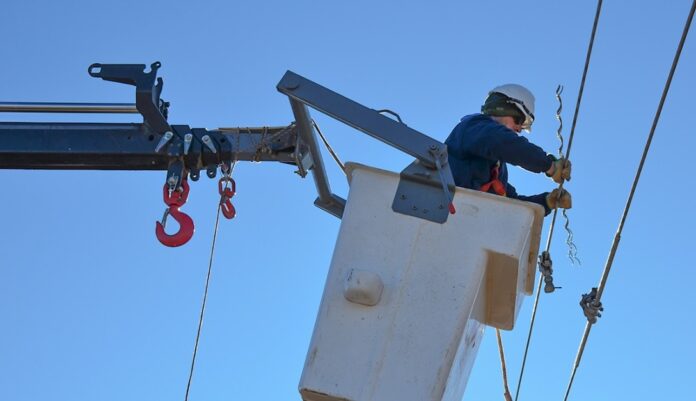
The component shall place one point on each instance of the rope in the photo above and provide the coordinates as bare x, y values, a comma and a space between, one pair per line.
326, 143
617, 237
555, 212
205, 296
506, 389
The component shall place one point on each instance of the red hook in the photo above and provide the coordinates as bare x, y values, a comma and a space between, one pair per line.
226, 193
175, 200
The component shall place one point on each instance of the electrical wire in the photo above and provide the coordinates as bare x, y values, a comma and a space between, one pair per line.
617, 237
555, 212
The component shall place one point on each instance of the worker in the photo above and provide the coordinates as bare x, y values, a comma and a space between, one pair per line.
481, 145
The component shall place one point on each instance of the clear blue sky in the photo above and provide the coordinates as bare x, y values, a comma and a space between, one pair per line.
92, 307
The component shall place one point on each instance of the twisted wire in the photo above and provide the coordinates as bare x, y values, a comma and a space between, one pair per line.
572, 248
559, 90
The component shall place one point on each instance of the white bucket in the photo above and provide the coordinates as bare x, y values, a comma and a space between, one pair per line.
406, 299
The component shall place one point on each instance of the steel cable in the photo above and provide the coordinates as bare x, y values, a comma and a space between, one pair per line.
205, 294
617, 237
555, 212
330, 149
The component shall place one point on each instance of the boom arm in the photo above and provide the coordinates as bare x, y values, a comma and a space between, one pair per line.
154, 144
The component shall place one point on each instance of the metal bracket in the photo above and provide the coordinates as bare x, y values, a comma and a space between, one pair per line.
175, 174
420, 194
147, 92
591, 306
426, 185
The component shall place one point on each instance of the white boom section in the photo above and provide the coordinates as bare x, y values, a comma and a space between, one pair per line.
406, 300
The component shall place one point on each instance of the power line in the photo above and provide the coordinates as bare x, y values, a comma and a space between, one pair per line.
555, 212
610, 259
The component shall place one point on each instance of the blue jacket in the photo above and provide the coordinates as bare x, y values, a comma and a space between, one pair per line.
478, 142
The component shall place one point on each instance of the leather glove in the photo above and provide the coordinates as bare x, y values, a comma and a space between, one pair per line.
560, 170
553, 201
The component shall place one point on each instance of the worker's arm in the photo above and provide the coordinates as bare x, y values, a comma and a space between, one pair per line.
539, 199
558, 198
490, 140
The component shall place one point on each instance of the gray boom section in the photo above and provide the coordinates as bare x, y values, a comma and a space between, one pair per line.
112, 146
363, 119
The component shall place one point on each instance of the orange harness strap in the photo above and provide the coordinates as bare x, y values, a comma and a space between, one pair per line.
495, 182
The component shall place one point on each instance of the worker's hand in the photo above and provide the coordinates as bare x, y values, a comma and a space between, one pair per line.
560, 170
554, 201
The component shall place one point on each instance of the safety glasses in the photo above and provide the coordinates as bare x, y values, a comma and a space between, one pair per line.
528, 118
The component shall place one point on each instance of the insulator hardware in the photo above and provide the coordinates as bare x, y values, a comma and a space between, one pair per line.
546, 269
591, 306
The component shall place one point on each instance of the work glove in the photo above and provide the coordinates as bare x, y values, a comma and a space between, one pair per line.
553, 201
560, 170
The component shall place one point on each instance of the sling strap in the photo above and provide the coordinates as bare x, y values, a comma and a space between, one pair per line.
495, 183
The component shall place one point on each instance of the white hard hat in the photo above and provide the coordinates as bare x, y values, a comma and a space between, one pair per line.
522, 98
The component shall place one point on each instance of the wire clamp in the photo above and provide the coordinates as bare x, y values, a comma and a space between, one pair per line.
591, 306
546, 269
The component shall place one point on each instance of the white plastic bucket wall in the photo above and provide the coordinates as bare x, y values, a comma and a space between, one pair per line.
406, 300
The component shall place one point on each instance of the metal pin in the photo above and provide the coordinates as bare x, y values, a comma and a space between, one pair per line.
173, 180
187, 142
209, 143
163, 141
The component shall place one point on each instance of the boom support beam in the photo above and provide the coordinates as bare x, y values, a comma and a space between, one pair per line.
95, 146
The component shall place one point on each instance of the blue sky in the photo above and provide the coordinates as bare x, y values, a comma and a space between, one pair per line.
94, 308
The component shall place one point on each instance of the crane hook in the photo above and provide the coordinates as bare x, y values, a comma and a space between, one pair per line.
175, 199
227, 188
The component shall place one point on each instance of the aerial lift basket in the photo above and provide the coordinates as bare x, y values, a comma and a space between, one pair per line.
406, 299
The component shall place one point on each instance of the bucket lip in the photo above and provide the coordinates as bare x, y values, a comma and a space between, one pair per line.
351, 167
537, 211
